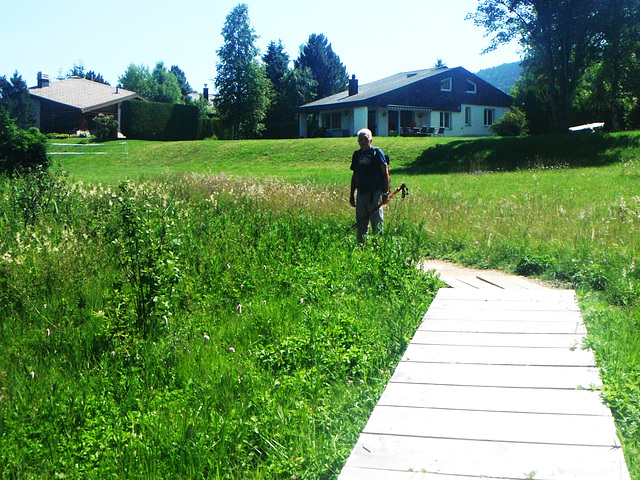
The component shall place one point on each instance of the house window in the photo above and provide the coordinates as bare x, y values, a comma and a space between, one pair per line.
406, 118
336, 121
471, 87
332, 121
467, 116
489, 116
445, 120
445, 85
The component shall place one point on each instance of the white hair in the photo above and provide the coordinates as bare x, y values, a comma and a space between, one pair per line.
365, 132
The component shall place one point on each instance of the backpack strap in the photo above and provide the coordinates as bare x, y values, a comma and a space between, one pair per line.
378, 152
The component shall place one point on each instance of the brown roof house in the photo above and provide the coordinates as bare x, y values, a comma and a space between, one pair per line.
68, 105
435, 101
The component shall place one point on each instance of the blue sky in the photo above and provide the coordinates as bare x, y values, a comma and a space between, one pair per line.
374, 38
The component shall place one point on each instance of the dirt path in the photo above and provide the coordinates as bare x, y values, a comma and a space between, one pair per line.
458, 276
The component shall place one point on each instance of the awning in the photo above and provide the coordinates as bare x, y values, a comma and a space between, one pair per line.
408, 108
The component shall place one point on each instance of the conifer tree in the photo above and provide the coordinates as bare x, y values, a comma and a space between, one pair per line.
325, 66
240, 81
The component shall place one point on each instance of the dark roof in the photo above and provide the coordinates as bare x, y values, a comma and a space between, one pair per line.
418, 88
81, 94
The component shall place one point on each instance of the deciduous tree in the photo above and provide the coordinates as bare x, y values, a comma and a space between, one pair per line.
159, 85
137, 78
166, 88
558, 33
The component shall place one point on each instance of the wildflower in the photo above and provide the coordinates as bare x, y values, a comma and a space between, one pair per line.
301, 301
232, 350
33, 374
206, 337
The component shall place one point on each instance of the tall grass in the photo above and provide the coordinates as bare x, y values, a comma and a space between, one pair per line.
562, 208
200, 327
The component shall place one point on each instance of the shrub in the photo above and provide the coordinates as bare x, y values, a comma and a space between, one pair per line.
511, 124
20, 150
206, 127
106, 126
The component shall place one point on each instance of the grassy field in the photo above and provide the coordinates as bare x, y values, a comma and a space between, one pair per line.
198, 309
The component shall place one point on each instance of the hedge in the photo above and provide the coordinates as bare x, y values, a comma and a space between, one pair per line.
159, 121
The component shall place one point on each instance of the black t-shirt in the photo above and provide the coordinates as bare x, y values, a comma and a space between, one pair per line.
366, 166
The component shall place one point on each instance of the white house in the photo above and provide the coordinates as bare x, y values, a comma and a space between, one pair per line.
434, 101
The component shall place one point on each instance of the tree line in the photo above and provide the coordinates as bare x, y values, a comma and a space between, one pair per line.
581, 59
258, 97
581, 64
255, 96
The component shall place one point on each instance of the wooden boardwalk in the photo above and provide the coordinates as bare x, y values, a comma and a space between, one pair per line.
494, 384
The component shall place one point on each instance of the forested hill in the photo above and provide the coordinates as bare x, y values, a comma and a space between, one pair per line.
503, 76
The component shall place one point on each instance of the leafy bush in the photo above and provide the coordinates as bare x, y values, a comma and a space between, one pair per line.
20, 150
106, 126
511, 124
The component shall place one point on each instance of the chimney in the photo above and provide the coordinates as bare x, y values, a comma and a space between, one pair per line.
353, 85
205, 92
43, 79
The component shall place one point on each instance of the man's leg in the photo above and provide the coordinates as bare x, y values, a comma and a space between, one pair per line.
377, 218
362, 215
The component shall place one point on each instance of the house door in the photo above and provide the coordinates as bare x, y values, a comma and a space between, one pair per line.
393, 120
371, 121
406, 119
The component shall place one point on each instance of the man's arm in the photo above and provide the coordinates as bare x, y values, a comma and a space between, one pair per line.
352, 195
386, 178
386, 182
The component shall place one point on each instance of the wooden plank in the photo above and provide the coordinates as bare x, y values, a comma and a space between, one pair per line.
509, 282
498, 355
355, 473
541, 340
437, 313
512, 296
460, 282
497, 399
486, 459
496, 375
510, 305
552, 429
502, 326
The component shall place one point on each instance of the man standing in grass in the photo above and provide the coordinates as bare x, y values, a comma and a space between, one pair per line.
371, 179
